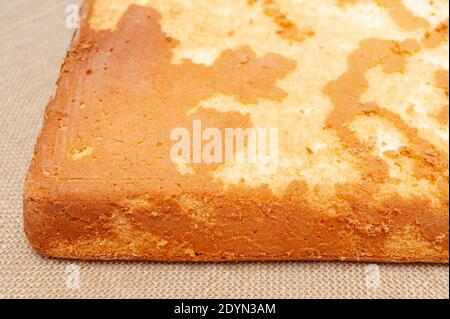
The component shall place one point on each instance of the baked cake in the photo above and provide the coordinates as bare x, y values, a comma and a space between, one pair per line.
348, 98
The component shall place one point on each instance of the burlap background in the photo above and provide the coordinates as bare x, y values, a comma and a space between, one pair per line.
33, 40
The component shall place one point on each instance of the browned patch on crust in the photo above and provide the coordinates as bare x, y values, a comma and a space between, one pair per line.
433, 39
287, 28
442, 80
397, 10
437, 36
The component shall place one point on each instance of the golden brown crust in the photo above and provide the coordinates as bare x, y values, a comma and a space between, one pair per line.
102, 186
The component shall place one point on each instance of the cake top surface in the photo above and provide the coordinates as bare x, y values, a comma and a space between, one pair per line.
357, 91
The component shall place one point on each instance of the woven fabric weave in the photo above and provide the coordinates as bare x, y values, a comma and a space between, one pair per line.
34, 40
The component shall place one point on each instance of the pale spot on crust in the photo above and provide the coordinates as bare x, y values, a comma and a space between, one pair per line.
137, 203
433, 11
434, 56
79, 153
379, 134
409, 241
144, 204
398, 12
198, 209
190, 252
370, 15
204, 56
162, 243
185, 169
